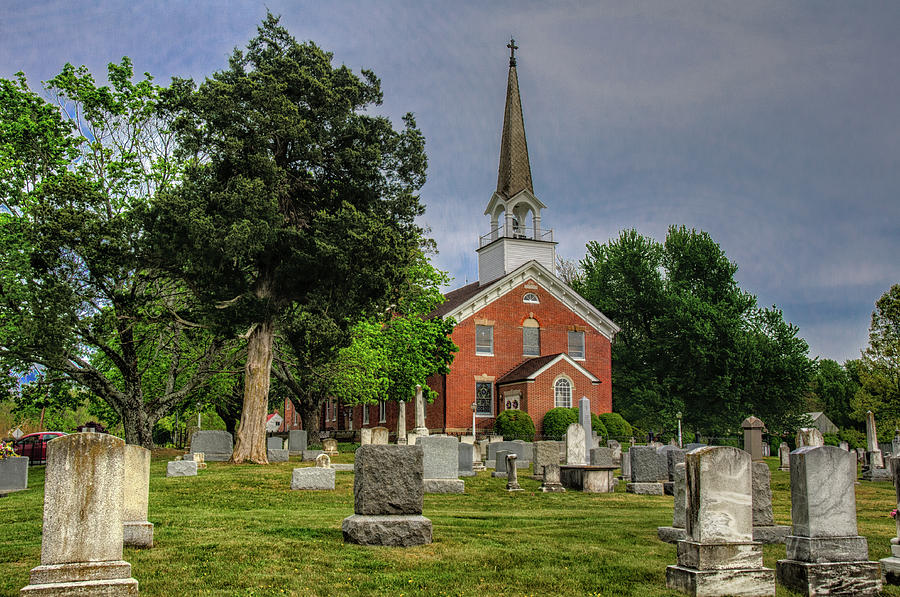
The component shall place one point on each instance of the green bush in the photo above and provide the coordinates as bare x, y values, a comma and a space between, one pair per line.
856, 439
556, 421
515, 424
831, 439
616, 426
598, 426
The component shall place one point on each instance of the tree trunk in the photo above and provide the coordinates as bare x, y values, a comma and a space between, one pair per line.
138, 426
250, 439
309, 413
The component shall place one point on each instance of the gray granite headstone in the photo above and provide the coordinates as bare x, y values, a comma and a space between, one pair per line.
500, 470
274, 443
441, 464
644, 464
181, 468
764, 528
601, 457
217, 445
312, 477
784, 457
466, 459
616, 448
584, 418
667, 464
297, 441
675, 533
545, 453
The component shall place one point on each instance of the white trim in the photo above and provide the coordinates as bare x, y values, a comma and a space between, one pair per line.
551, 284
567, 358
563, 376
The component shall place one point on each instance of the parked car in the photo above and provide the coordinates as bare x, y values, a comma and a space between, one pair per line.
34, 445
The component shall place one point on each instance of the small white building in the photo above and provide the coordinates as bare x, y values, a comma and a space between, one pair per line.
822, 422
273, 422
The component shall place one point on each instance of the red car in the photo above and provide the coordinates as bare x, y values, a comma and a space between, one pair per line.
34, 445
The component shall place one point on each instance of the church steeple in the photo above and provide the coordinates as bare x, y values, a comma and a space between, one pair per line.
514, 174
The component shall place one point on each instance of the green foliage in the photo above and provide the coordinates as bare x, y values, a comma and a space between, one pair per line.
831, 439
692, 341
616, 426
854, 437
514, 424
834, 388
879, 367
557, 421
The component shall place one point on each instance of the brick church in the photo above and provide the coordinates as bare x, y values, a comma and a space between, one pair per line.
526, 340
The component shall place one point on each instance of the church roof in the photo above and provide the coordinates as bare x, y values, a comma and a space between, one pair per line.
531, 368
514, 174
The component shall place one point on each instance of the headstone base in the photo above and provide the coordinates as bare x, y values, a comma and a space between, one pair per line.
890, 570
217, 456
833, 578
137, 534
445, 485
553, 488
388, 530
511, 487
181, 468
671, 534
750, 582
275, 455
644, 488
709, 556
82, 578
343, 466
312, 478
876, 474
497, 475
823, 550
478, 467
771, 534
470, 473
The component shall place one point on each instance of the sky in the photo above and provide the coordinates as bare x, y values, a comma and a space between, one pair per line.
773, 126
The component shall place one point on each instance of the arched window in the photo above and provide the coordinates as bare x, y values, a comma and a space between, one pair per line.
531, 338
531, 297
562, 391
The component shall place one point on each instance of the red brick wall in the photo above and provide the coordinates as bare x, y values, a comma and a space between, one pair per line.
507, 314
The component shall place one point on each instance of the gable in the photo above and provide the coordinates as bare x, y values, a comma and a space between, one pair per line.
468, 300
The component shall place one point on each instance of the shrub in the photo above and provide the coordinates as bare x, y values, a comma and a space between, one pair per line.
616, 426
556, 421
515, 424
831, 439
856, 439
598, 426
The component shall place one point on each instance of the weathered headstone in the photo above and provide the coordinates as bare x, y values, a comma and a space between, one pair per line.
784, 457
323, 461
551, 481
466, 459
401, 422
626, 466
523, 450
277, 455
421, 429
181, 468
365, 436
576, 450
601, 457
81, 543
380, 436
441, 464
895, 443
215, 444
825, 554
671, 455
309, 455
890, 566
500, 460
874, 469
330, 446
718, 555
313, 478
764, 528
13, 474
274, 443
584, 417
544, 453
844, 446
137, 530
693, 446
388, 497
675, 533
297, 441
512, 473
616, 448
753, 430
809, 436
644, 471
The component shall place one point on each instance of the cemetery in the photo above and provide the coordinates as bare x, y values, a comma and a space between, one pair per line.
376, 529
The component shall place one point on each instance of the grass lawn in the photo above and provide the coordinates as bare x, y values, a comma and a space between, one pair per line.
240, 530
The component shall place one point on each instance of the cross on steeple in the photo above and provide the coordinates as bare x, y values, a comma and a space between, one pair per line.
512, 51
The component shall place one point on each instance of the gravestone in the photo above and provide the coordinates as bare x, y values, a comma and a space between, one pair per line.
601, 457
718, 555
825, 554
673, 455
215, 444
675, 533
693, 446
81, 543
421, 429
330, 446
313, 478
895, 444
809, 436
551, 479
323, 461
784, 457
401, 422
523, 451
512, 473
380, 436
441, 464
584, 418
544, 453
466, 459
137, 531
297, 441
365, 436
626, 466
277, 455
890, 566
576, 450
753, 430
181, 468
873, 469
764, 528
644, 471
500, 470
616, 448
13, 474
844, 446
274, 443
388, 498
309, 455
